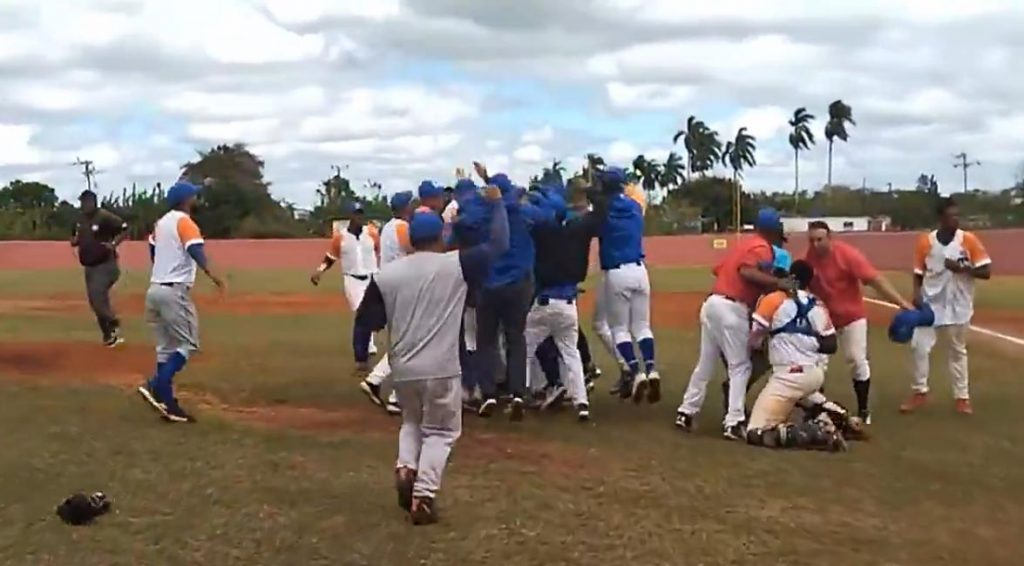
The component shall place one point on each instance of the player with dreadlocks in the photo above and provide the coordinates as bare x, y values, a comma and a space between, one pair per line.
800, 337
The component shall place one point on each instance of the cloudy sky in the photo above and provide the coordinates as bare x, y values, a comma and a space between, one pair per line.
402, 90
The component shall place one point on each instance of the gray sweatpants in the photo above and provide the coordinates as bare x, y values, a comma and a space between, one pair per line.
431, 423
98, 281
172, 315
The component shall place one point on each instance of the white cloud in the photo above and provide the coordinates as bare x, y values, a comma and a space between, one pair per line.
540, 135
648, 95
16, 145
621, 152
531, 153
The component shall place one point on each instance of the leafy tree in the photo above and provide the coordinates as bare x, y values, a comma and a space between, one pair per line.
24, 196
800, 138
839, 116
737, 155
554, 173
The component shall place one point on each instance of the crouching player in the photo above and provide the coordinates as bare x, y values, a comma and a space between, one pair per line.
800, 337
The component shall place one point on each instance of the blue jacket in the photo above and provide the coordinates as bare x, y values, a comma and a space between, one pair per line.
517, 263
622, 236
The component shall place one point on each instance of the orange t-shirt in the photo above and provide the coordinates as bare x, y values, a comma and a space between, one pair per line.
838, 277
753, 251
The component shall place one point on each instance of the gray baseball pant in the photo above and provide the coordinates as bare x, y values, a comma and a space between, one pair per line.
171, 314
431, 423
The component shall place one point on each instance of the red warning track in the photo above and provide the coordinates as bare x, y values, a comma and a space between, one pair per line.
888, 250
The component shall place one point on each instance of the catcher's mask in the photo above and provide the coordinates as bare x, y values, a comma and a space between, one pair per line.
81, 509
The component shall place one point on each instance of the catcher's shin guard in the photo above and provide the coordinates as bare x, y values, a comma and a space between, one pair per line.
852, 427
812, 435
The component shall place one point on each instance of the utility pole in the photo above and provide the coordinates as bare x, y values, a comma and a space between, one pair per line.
962, 163
88, 171
890, 186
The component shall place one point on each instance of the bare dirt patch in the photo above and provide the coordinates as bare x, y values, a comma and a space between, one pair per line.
62, 362
133, 304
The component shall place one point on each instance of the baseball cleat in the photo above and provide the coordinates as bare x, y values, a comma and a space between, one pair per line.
372, 392
113, 341
423, 511
392, 406
963, 406
583, 412
147, 394
404, 480
516, 410
916, 401
175, 414
640, 386
734, 432
685, 422
487, 408
653, 387
865, 416
589, 384
554, 397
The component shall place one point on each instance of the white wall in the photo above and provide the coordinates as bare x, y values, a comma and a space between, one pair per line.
836, 223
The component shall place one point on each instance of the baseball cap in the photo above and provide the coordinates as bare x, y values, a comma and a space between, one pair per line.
425, 227
180, 192
400, 200
355, 207
87, 194
503, 183
613, 177
768, 219
428, 189
465, 186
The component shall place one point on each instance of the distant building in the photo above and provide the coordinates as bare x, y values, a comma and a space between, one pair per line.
839, 223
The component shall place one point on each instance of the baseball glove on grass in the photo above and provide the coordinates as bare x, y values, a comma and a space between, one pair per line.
81, 509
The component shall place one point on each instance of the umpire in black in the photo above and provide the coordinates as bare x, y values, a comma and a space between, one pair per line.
97, 235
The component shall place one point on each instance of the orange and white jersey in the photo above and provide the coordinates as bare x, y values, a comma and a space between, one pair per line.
774, 311
951, 295
394, 241
636, 192
358, 255
172, 235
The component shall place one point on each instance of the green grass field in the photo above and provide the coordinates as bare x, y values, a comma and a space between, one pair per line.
290, 465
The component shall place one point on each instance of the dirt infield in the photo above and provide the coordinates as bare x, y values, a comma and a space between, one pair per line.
888, 250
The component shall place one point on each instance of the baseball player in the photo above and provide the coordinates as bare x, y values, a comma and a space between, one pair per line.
431, 197
421, 299
176, 248
394, 244
563, 255
947, 261
627, 286
505, 300
357, 247
741, 278
840, 271
800, 335
97, 235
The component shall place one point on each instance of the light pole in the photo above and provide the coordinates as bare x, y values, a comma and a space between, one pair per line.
965, 165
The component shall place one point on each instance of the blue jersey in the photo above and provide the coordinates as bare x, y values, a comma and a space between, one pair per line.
622, 236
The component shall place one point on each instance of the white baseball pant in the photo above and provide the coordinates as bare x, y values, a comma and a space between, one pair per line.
784, 389
600, 322
853, 341
355, 289
628, 289
431, 423
560, 320
724, 331
955, 338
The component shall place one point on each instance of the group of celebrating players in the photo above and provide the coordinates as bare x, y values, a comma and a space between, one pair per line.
462, 281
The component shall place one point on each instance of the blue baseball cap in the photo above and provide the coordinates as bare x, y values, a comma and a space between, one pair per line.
464, 187
180, 192
425, 227
613, 177
355, 207
768, 219
503, 183
428, 189
400, 200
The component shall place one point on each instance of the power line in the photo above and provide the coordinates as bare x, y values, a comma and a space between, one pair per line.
88, 171
965, 165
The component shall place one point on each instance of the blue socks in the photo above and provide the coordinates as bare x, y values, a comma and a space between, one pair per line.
647, 351
163, 384
361, 343
626, 351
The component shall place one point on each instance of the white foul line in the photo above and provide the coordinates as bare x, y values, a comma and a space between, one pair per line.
978, 329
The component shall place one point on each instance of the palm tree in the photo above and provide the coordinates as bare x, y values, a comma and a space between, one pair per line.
554, 172
648, 172
839, 115
707, 151
595, 163
673, 172
800, 138
737, 155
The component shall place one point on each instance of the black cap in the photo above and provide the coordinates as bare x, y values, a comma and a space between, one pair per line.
87, 195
